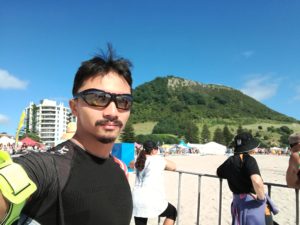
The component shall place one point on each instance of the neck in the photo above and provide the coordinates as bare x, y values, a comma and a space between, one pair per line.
93, 147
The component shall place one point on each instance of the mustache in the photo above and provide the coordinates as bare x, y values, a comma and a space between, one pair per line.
106, 121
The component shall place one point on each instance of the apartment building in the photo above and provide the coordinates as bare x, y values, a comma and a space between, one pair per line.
49, 120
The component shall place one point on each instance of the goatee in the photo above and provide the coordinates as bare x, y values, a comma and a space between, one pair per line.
106, 140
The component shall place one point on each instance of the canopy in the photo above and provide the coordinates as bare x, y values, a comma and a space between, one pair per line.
6, 140
182, 144
213, 148
29, 142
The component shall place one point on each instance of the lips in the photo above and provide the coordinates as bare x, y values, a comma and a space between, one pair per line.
110, 125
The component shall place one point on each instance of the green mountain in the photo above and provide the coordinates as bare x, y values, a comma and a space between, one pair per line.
175, 97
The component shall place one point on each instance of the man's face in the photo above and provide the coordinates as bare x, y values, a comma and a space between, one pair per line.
101, 123
295, 148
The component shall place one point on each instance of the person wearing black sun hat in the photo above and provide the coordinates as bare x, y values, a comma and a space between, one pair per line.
245, 181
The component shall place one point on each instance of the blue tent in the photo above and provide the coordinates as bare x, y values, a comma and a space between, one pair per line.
183, 144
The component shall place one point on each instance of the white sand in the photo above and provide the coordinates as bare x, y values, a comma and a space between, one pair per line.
272, 168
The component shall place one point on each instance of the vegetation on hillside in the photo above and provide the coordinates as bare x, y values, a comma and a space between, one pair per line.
198, 113
172, 96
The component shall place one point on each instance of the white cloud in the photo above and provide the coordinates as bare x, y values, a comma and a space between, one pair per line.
247, 54
8, 81
3, 119
261, 87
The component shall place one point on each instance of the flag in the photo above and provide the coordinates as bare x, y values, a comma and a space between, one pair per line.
20, 126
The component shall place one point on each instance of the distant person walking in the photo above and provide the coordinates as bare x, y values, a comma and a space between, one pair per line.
249, 205
292, 173
148, 194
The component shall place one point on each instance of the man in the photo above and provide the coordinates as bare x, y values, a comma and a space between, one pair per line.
244, 180
292, 173
78, 181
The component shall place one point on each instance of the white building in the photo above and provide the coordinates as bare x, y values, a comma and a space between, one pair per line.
49, 120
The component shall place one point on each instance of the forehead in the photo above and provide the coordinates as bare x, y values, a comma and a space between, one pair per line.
110, 82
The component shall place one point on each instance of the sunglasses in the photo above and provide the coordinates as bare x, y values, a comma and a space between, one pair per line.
99, 98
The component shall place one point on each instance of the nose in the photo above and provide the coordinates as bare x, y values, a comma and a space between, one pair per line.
111, 109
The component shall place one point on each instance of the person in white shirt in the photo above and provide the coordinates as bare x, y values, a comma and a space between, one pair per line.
148, 194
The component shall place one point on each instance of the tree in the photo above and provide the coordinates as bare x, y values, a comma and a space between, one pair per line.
218, 136
285, 130
228, 136
161, 138
128, 133
240, 129
205, 134
34, 118
191, 132
284, 140
166, 126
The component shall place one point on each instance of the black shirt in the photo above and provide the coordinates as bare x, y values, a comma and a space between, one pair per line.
238, 173
76, 188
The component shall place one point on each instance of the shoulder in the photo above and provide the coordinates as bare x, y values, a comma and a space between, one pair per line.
158, 158
65, 148
229, 161
122, 165
250, 160
156, 161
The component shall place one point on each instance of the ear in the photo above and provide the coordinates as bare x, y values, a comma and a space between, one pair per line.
73, 106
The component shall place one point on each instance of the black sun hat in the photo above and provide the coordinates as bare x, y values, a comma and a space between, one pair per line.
244, 142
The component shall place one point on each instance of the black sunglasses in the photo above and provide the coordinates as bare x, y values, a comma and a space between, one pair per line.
99, 98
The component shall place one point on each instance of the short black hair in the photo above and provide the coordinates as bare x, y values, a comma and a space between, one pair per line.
101, 65
149, 145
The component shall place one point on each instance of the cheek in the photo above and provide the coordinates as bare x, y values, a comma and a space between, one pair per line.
87, 117
298, 148
124, 117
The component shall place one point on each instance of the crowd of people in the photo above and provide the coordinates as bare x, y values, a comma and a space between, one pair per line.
80, 182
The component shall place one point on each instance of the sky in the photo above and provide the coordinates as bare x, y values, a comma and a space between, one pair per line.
252, 46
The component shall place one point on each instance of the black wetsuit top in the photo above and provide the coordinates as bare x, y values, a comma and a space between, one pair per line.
76, 188
238, 173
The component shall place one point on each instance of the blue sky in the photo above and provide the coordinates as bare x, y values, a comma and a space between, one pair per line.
252, 46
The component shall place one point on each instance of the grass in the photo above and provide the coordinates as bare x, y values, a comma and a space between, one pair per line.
143, 128
147, 127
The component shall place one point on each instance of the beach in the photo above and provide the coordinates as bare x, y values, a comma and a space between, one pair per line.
272, 167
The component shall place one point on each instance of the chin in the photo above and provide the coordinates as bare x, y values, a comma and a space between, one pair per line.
106, 140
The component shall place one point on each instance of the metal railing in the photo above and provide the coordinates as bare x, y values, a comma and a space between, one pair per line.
200, 175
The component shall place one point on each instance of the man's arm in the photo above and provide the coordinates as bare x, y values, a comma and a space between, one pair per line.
15, 188
292, 179
258, 186
3, 207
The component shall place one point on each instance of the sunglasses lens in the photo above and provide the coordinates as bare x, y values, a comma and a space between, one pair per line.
123, 102
97, 99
